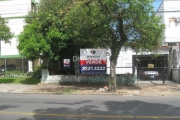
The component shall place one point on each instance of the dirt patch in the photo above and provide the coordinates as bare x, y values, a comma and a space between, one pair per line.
129, 90
80, 89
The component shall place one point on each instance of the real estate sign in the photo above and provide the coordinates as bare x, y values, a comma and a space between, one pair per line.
93, 61
66, 63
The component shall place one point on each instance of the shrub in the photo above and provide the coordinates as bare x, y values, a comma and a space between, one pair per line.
30, 73
36, 73
15, 73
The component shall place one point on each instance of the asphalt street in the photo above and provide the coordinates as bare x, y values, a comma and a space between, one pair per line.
88, 107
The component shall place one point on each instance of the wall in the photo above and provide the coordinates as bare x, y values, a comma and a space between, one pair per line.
170, 9
124, 62
160, 12
127, 79
176, 75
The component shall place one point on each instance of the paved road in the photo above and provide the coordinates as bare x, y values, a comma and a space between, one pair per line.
87, 107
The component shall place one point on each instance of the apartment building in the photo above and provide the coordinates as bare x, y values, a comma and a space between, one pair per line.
15, 11
169, 10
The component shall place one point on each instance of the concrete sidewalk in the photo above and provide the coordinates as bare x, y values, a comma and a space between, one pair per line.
141, 89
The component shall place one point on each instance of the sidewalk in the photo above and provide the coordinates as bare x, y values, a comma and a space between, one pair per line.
140, 89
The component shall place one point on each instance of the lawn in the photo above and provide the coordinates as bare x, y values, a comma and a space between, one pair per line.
20, 80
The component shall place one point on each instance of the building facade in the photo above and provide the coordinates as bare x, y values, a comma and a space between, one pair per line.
169, 10
15, 11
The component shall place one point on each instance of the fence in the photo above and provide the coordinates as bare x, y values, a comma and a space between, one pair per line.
76, 71
156, 73
9, 64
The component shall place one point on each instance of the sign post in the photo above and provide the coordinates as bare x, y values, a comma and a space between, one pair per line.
66, 63
93, 61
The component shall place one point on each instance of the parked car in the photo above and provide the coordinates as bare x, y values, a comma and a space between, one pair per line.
149, 74
8, 67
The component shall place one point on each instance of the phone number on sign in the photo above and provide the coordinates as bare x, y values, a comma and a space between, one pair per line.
93, 68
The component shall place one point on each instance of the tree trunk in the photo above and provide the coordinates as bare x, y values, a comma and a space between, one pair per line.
112, 81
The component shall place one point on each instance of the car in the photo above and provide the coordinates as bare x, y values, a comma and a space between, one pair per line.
8, 67
149, 74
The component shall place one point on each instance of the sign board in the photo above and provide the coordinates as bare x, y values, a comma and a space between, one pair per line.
66, 63
150, 65
93, 61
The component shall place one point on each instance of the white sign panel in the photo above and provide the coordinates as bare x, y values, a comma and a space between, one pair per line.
93, 61
66, 63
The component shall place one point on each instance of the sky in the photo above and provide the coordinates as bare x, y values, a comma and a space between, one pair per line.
156, 4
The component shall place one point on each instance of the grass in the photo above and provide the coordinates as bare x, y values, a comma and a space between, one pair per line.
19, 80
68, 91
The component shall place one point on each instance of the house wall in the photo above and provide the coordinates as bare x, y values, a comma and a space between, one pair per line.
124, 62
170, 9
160, 12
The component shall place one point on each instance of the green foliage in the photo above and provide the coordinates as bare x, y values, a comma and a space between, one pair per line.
47, 33
30, 74
37, 73
87, 24
5, 33
117, 22
114, 23
68, 91
14, 73
63, 26
19, 80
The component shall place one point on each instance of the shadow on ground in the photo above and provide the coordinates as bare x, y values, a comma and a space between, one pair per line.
112, 110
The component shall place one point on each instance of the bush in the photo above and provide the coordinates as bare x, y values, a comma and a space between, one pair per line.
37, 73
15, 73
30, 73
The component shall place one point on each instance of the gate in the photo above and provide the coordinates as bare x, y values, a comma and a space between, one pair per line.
150, 68
152, 74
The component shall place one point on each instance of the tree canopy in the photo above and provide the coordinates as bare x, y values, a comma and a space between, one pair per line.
5, 33
47, 32
123, 22
61, 25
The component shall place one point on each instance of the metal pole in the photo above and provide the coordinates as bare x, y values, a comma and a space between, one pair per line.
22, 65
5, 66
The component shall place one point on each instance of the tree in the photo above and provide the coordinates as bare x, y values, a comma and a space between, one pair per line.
47, 33
5, 33
122, 22
44, 33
